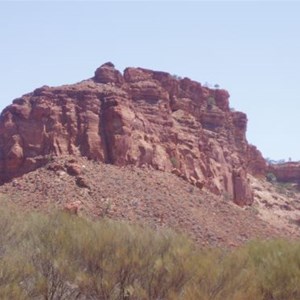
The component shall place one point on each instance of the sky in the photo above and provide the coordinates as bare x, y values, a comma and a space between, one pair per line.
251, 49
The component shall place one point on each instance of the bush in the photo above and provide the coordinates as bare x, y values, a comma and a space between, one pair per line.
59, 256
67, 256
211, 102
277, 267
271, 177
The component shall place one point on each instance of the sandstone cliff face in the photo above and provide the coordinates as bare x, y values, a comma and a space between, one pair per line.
286, 172
140, 117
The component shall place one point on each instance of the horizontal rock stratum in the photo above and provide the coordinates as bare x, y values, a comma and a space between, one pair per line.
141, 117
286, 172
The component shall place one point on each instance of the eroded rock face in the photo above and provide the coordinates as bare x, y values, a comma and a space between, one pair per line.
257, 164
142, 117
286, 172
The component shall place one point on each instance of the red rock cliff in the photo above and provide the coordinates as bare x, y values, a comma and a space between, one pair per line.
141, 117
286, 172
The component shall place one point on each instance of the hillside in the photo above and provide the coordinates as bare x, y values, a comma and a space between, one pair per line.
146, 147
139, 195
140, 117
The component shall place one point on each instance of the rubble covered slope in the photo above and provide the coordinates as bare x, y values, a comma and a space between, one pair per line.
140, 195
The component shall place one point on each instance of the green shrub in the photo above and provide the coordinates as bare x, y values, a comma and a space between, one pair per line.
211, 102
175, 163
277, 267
120, 260
271, 177
59, 256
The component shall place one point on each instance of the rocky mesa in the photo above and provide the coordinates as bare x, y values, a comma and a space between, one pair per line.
139, 117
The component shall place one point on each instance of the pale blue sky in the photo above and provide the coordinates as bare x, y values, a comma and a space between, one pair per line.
252, 49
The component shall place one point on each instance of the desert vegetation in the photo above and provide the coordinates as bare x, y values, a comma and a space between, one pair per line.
60, 256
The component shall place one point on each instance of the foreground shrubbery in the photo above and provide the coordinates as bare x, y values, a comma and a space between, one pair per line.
65, 257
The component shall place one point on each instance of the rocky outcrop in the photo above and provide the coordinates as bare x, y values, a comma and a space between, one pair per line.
286, 172
257, 164
141, 117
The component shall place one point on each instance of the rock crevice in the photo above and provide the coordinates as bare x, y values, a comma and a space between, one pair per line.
103, 134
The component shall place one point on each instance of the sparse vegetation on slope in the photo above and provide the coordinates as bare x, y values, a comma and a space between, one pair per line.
58, 256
